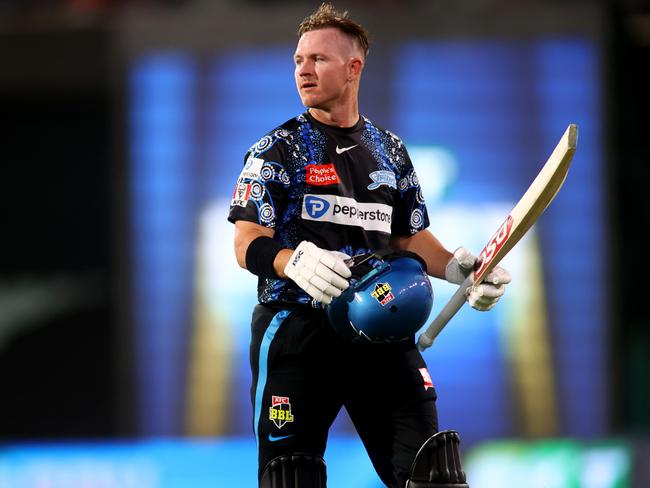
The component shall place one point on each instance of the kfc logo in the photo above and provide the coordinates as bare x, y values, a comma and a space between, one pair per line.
241, 194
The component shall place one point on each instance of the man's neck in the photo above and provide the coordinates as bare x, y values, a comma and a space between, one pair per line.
345, 117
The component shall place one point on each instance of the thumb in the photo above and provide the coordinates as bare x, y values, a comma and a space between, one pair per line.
464, 257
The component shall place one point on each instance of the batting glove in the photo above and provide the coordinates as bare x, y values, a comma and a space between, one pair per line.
321, 273
486, 294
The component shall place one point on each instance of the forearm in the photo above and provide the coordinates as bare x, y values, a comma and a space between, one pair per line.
246, 233
280, 262
429, 248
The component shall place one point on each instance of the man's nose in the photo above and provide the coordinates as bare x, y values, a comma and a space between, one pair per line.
306, 68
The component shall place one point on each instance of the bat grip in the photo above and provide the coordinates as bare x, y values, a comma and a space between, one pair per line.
448, 311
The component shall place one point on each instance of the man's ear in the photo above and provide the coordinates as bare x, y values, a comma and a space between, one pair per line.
354, 68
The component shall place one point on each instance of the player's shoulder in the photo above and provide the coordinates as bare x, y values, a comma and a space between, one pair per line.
278, 136
382, 132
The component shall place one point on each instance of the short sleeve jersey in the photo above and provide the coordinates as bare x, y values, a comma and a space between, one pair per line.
344, 189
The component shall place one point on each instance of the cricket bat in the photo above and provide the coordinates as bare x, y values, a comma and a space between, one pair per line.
539, 195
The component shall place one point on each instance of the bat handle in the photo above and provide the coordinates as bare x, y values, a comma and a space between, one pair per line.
448, 311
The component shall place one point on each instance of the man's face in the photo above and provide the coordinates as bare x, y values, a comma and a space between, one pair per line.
321, 61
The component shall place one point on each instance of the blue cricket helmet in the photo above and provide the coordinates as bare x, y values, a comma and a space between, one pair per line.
389, 298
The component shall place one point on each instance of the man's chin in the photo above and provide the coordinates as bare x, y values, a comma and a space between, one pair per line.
317, 106
309, 103
312, 102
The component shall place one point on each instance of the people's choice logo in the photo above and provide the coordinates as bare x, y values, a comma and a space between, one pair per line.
347, 211
321, 174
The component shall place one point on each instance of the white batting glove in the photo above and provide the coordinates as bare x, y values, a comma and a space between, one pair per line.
321, 273
486, 294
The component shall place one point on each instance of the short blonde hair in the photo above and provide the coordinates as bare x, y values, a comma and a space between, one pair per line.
328, 16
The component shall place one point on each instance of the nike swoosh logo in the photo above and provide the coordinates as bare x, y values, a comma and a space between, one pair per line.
343, 149
272, 438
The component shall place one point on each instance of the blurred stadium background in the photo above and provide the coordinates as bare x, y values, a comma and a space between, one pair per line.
124, 318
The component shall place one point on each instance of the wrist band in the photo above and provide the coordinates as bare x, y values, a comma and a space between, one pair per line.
260, 255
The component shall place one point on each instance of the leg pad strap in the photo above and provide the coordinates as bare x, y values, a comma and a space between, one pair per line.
295, 470
437, 463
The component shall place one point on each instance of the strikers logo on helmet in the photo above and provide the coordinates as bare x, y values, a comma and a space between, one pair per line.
383, 293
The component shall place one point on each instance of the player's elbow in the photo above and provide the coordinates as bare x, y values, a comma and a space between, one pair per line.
241, 247
241, 262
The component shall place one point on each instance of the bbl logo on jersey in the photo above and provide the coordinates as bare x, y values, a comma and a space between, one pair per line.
280, 411
383, 293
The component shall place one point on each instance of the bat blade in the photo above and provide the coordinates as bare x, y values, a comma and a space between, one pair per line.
530, 206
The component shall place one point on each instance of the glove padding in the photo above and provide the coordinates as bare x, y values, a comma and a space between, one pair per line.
486, 294
321, 273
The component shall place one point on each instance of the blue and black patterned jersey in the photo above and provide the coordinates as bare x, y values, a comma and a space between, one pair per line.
344, 189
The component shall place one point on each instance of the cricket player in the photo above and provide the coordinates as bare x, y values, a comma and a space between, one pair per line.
324, 186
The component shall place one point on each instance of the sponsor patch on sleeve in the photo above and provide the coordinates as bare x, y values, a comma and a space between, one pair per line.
241, 194
252, 169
